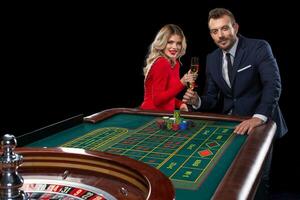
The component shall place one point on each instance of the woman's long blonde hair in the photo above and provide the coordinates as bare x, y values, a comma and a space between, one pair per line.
160, 43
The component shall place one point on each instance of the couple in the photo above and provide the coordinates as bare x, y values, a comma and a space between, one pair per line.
242, 73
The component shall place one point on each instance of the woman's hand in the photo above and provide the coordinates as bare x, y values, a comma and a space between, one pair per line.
189, 78
193, 74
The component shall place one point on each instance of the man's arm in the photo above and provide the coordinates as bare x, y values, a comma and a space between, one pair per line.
270, 79
271, 89
209, 100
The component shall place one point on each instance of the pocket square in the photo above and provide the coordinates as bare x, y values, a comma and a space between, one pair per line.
242, 69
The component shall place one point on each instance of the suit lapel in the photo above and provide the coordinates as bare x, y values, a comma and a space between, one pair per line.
238, 58
237, 62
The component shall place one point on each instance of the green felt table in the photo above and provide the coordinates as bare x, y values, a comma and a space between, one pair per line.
204, 161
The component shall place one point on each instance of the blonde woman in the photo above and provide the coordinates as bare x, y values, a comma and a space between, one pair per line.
162, 79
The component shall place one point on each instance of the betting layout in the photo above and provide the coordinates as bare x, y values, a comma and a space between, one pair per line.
185, 155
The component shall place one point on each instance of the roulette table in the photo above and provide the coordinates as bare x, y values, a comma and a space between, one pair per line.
206, 160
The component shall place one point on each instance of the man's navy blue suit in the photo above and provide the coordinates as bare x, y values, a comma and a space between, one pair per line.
256, 84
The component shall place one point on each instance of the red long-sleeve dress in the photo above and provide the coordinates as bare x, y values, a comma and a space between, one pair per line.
162, 84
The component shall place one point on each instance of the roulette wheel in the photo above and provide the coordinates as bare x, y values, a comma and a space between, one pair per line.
77, 174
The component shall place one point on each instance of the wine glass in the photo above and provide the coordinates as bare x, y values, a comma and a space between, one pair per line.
194, 69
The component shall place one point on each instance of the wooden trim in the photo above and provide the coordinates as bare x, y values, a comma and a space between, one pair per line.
94, 118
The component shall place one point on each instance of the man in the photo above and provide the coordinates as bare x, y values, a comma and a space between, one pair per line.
251, 88
243, 74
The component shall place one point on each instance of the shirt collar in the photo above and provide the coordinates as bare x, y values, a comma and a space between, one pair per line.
233, 48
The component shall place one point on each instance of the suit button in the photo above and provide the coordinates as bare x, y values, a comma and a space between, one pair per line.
234, 100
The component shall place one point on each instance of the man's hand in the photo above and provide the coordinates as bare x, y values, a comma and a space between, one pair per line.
183, 107
247, 126
191, 97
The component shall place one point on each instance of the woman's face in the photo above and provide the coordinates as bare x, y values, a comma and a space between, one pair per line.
174, 46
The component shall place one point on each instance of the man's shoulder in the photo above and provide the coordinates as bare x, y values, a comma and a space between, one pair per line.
214, 53
252, 42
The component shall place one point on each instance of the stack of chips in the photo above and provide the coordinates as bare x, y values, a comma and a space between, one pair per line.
166, 119
170, 123
161, 124
176, 115
174, 123
183, 125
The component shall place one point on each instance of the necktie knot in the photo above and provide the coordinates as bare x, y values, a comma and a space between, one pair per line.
227, 55
229, 67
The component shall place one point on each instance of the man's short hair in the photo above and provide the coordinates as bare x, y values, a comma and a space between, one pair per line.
220, 12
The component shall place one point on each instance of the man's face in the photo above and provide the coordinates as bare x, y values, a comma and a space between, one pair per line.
223, 32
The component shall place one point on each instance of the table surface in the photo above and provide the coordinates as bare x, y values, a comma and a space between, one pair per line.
206, 160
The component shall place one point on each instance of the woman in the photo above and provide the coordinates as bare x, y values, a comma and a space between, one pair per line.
162, 79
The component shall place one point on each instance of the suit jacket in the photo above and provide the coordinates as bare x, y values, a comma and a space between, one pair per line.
256, 85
